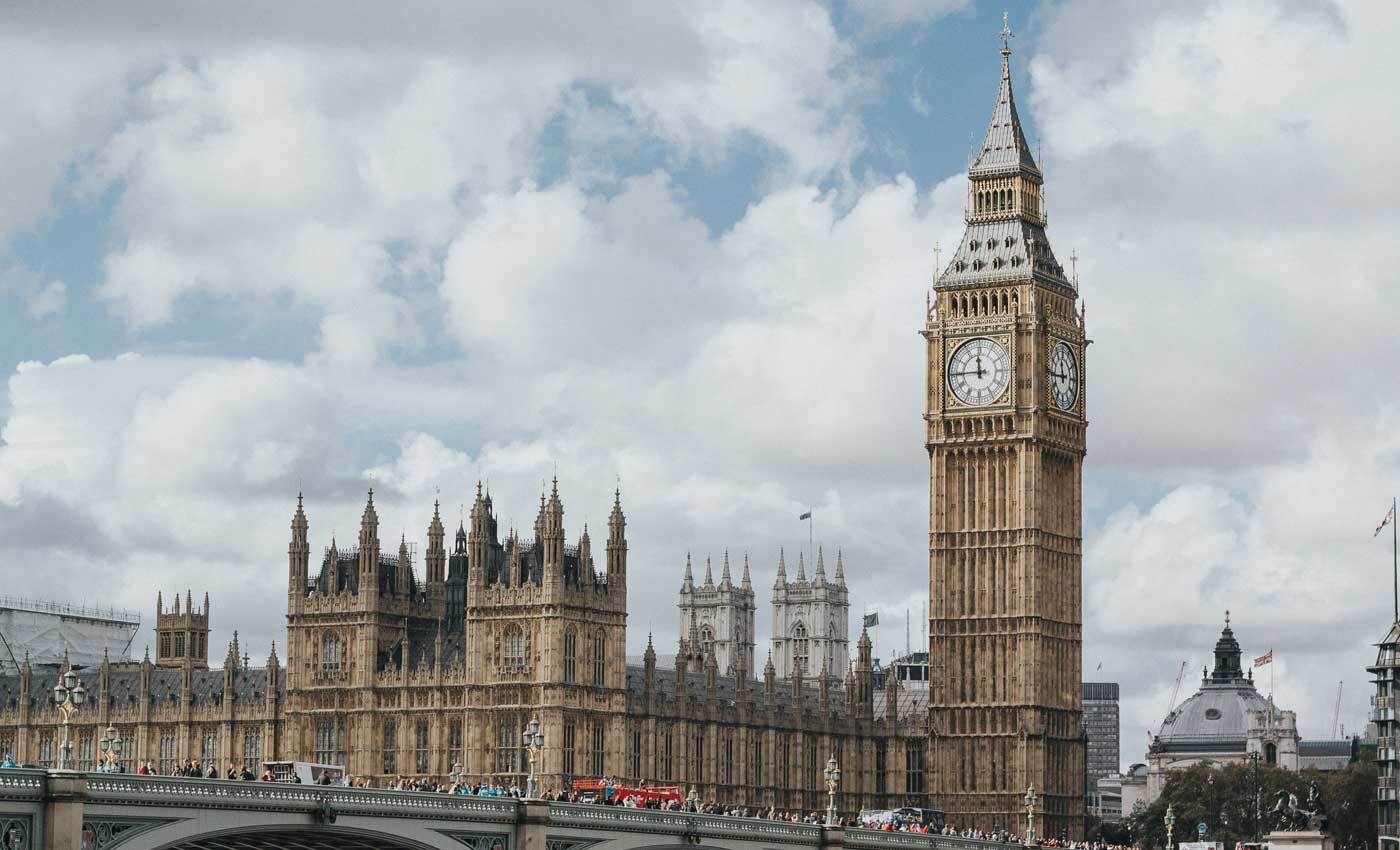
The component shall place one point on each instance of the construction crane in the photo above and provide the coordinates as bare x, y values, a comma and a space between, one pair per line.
1176, 690
1337, 711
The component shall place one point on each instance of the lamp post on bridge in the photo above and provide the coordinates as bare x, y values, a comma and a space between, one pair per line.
534, 742
457, 776
110, 745
1170, 821
833, 779
1031, 800
68, 694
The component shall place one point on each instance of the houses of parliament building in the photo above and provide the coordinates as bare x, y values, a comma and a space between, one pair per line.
392, 673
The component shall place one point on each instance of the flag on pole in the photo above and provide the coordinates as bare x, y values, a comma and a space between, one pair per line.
1389, 518
1266, 658
1098, 668
871, 621
807, 515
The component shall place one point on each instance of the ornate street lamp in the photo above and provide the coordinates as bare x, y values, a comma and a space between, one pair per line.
693, 799
110, 745
1031, 800
1170, 821
68, 694
833, 780
456, 775
533, 740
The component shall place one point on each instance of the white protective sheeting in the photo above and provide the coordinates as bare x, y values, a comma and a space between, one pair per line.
46, 629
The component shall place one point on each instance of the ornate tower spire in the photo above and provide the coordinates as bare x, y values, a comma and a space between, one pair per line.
436, 560
724, 582
709, 576
746, 583
820, 576
782, 570
801, 568
687, 583
1004, 345
840, 570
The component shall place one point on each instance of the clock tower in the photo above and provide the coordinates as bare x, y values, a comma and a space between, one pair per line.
1005, 438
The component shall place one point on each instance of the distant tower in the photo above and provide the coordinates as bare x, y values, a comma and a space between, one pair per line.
182, 634
721, 616
811, 620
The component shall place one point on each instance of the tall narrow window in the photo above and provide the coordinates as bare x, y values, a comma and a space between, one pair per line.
913, 768
881, 765
46, 752
570, 733
668, 744
166, 765
729, 757
509, 728
330, 653
636, 751
454, 743
179, 645
252, 750
420, 750
598, 748
599, 659
330, 741
697, 755
513, 649
391, 746
209, 747
799, 648
756, 749
85, 751
785, 759
570, 654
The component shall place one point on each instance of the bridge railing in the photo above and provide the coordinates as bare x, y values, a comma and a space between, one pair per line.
22, 784
623, 819
877, 839
126, 790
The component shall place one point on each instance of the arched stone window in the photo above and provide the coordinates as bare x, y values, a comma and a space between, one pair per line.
330, 653
570, 654
707, 639
600, 659
1270, 754
801, 648
513, 649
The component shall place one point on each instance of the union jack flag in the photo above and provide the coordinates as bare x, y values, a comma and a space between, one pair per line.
1389, 518
1266, 658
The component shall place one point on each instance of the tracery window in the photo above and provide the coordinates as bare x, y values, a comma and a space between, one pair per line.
570, 654
46, 758
252, 751
420, 752
391, 746
598, 748
800, 648
330, 742
166, 765
454, 742
85, 752
330, 653
707, 640
600, 660
509, 728
513, 649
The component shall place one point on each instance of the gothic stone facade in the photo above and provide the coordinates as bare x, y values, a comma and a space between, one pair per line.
384, 675
1005, 439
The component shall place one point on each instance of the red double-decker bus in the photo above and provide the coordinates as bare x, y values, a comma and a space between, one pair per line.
593, 790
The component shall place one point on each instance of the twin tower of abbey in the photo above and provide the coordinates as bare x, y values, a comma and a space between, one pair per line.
392, 672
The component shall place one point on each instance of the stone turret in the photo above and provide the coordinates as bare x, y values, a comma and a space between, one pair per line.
182, 635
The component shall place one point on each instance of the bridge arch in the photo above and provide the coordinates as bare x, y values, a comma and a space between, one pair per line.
288, 837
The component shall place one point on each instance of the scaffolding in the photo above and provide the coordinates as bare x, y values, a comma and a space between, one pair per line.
45, 631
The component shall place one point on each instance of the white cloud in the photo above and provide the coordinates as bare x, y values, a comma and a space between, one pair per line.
48, 301
889, 14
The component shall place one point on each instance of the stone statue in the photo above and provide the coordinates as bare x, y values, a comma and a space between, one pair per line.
1288, 816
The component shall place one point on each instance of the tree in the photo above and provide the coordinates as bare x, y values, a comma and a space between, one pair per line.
1223, 796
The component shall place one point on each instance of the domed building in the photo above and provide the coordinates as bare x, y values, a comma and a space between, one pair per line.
1224, 721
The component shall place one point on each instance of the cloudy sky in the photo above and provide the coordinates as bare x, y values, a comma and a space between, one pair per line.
249, 250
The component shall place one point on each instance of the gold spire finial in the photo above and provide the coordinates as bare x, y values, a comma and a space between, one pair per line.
1005, 34
1227, 618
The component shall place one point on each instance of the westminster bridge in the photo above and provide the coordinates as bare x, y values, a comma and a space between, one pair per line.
65, 810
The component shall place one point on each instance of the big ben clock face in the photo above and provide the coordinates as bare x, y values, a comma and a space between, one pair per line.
1064, 376
979, 371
